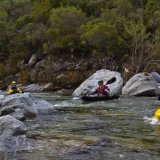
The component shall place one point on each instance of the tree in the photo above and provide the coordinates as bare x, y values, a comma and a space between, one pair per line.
123, 7
15, 9
102, 37
4, 40
138, 39
29, 40
64, 32
41, 9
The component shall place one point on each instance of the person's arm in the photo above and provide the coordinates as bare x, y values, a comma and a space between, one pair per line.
106, 88
20, 90
9, 91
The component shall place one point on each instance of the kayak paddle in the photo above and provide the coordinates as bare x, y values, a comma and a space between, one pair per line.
112, 80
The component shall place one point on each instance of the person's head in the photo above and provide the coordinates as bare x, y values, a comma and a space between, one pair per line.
100, 83
13, 84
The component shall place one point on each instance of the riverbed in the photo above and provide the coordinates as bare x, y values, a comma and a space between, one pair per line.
75, 130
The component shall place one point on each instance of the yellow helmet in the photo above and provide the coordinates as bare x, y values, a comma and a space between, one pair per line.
13, 82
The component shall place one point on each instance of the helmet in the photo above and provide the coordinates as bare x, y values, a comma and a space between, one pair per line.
13, 82
101, 81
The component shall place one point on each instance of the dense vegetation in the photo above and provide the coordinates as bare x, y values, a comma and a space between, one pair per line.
125, 31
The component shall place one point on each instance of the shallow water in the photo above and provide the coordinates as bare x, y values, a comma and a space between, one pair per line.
76, 130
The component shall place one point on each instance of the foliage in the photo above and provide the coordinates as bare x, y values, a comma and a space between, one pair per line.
64, 30
101, 36
123, 30
138, 39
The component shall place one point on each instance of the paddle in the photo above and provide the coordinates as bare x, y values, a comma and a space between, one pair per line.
112, 80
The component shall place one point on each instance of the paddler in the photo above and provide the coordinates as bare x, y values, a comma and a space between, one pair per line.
102, 89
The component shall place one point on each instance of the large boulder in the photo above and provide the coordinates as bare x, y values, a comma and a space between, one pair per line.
11, 126
141, 84
20, 106
90, 84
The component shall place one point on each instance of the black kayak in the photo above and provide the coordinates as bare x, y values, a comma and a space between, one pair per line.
98, 98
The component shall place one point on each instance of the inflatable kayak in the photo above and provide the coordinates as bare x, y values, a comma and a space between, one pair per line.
157, 114
98, 98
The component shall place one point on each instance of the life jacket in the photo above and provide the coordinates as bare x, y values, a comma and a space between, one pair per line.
14, 90
102, 89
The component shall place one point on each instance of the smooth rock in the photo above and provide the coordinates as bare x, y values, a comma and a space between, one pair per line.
91, 83
21, 106
11, 126
141, 84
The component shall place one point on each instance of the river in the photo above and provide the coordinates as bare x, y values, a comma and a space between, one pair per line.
75, 130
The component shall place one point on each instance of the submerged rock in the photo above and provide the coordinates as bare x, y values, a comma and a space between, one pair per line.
91, 84
141, 84
20, 106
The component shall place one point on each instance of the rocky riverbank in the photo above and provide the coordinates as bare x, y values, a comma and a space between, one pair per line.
14, 109
72, 129
20, 107
59, 73
141, 84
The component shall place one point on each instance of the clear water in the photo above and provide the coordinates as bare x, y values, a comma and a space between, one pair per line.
75, 130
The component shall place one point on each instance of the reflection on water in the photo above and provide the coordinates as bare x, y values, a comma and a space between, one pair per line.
72, 129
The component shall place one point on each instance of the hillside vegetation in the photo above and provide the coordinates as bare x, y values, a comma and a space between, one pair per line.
126, 32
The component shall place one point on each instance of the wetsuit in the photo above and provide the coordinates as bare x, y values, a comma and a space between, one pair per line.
14, 90
103, 90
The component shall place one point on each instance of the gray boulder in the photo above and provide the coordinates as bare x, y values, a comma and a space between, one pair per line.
11, 126
90, 84
37, 87
20, 106
141, 84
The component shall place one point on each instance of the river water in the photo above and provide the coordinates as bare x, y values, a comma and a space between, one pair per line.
75, 130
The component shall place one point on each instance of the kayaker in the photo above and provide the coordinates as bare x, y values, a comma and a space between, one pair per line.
14, 89
157, 114
102, 89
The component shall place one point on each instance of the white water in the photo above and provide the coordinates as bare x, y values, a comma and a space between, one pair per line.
151, 120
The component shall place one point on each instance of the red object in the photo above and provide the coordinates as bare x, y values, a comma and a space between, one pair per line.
102, 89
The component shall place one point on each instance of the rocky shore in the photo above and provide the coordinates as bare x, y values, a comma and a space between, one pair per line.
16, 108
13, 110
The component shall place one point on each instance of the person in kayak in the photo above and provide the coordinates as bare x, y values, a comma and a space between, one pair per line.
102, 89
14, 89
